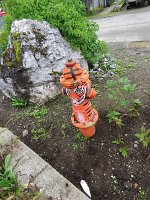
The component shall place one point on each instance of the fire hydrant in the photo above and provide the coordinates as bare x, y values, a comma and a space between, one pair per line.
77, 86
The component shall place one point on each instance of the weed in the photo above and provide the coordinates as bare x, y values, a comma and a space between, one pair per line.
80, 137
137, 103
133, 110
120, 70
113, 116
18, 103
146, 91
118, 90
124, 151
75, 146
10, 188
147, 58
141, 193
8, 180
39, 134
144, 136
114, 182
130, 65
63, 128
118, 141
38, 112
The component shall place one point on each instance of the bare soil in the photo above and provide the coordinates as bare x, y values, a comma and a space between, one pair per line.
97, 160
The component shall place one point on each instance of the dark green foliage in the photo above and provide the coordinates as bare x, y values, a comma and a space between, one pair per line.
68, 16
38, 112
18, 103
8, 180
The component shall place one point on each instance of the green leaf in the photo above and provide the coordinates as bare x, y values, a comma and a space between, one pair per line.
140, 136
7, 160
118, 141
124, 151
111, 83
142, 128
122, 102
111, 96
129, 88
145, 143
119, 122
123, 80
137, 103
5, 183
111, 115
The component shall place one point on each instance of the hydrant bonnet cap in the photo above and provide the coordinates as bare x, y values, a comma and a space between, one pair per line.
70, 63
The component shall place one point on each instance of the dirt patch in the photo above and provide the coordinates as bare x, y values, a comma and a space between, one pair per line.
97, 160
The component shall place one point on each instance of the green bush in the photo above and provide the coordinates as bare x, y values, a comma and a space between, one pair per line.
68, 16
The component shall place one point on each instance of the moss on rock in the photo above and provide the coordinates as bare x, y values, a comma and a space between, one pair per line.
12, 56
17, 49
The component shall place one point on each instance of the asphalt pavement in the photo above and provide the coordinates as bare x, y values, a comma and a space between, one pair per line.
129, 25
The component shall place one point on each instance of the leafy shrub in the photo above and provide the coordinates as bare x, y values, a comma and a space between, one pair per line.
68, 16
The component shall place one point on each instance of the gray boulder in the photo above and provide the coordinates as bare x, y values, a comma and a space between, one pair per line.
34, 50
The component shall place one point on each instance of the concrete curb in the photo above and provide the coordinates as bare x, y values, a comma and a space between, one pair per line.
27, 162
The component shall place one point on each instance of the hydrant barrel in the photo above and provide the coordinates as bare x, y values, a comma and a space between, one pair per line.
77, 86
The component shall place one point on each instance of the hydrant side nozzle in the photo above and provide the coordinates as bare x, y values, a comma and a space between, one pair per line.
91, 94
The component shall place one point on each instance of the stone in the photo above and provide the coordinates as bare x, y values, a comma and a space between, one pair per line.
26, 163
135, 145
25, 132
34, 50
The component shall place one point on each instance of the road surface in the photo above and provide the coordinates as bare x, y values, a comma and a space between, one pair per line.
131, 25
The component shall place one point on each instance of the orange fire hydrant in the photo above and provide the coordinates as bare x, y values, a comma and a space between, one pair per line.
77, 86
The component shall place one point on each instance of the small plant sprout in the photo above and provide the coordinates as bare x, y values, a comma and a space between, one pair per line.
63, 128
114, 182
141, 193
18, 103
80, 137
113, 116
129, 88
8, 179
118, 141
133, 111
75, 146
144, 136
39, 134
137, 103
118, 92
124, 151
38, 112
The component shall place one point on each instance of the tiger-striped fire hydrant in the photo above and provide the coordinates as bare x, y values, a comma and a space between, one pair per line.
77, 86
